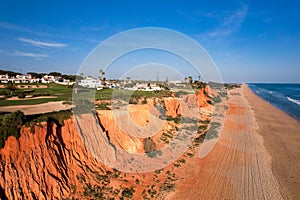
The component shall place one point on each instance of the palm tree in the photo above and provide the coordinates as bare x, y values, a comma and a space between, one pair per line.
102, 73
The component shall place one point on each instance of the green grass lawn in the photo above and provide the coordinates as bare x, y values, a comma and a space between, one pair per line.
107, 94
64, 93
27, 102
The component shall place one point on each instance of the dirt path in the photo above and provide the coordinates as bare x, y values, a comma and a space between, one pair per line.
238, 167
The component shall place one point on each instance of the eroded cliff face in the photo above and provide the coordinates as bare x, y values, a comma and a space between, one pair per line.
50, 161
44, 162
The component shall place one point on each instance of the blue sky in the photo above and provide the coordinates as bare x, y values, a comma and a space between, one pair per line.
250, 41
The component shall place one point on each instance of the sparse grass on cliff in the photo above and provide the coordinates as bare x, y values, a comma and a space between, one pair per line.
59, 116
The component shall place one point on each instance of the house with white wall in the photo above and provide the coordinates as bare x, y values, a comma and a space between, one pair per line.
90, 82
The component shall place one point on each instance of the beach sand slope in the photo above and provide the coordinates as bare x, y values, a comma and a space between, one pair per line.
256, 156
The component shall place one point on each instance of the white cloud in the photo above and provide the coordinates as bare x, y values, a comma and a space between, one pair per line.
231, 23
41, 44
28, 54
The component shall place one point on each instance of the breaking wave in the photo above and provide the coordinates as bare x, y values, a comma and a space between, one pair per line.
294, 100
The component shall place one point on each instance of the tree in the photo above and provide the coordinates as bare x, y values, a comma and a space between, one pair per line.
55, 74
11, 125
11, 87
190, 80
9, 73
36, 75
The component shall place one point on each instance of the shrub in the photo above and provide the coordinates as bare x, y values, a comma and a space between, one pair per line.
21, 95
102, 106
11, 124
132, 101
149, 145
59, 116
137, 181
150, 148
217, 99
128, 192
177, 119
7, 96
144, 101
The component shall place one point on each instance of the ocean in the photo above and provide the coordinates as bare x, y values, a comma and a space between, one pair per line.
284, 96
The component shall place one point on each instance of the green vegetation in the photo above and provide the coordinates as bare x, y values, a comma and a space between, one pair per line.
10, 73
144, 101
59, 116
213, 130
80, 178
26, 102
128, 192
202, 128
62, 93
102, 106
21, 96
167, 187
177, 119
149, 145
95, 191
199, 139
217, 99
190, 155
150, 148
107, 94
176, 165
152, 192
10, 125
232, 86
137, 181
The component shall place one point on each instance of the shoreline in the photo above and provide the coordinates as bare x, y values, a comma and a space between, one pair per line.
280, 133
280, 107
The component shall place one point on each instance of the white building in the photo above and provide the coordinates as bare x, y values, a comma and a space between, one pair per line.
90, 82
23, 76
48, 79
4, 78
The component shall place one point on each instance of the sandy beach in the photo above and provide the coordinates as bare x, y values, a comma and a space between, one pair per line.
256, 157
281, 136
38, 108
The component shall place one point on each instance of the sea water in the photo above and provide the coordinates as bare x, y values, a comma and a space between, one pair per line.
284, 96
